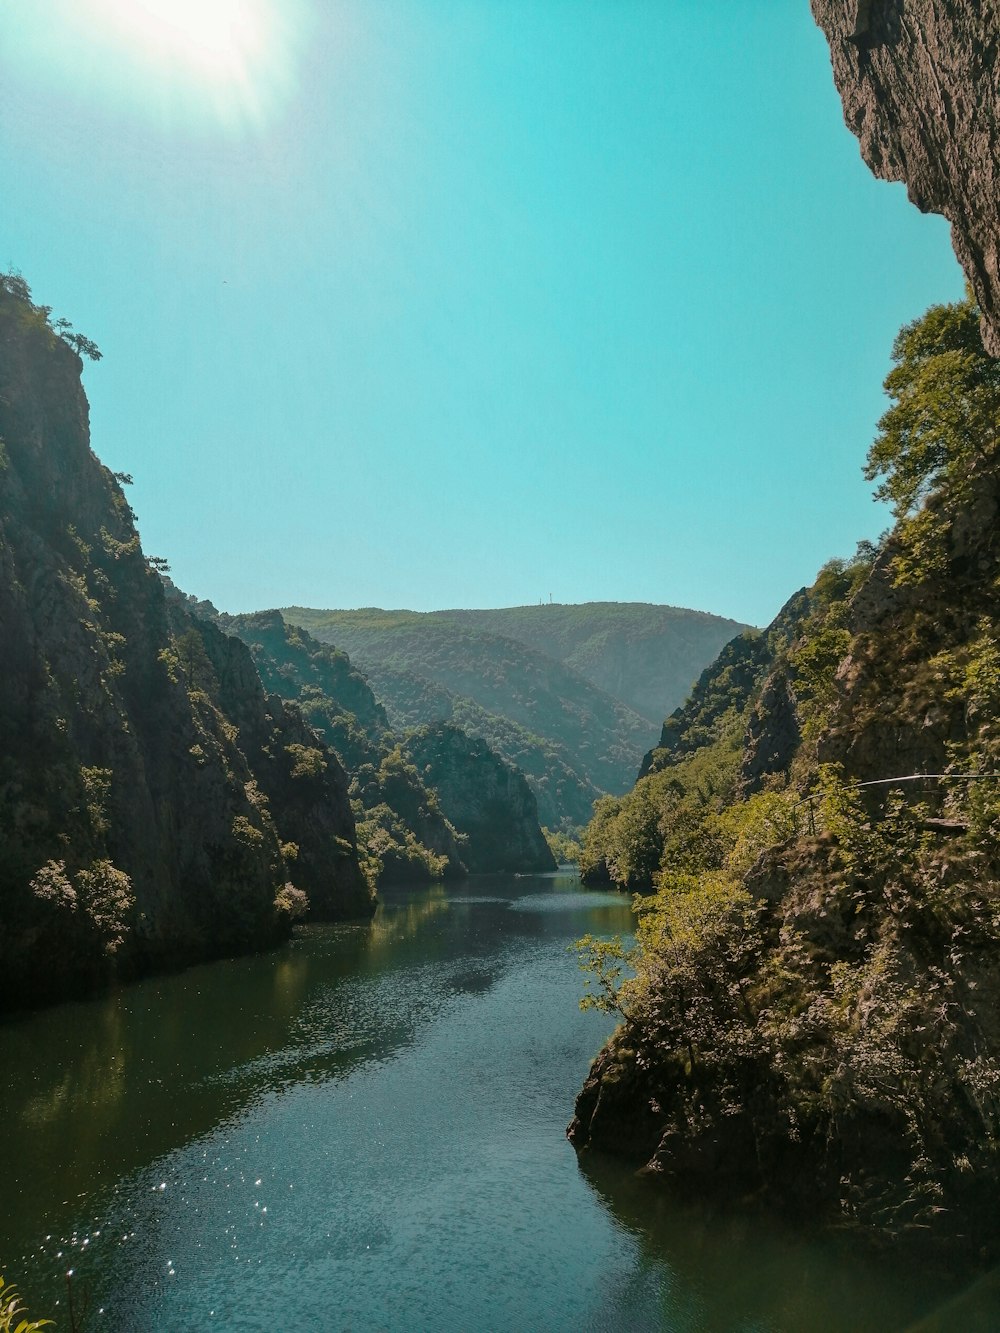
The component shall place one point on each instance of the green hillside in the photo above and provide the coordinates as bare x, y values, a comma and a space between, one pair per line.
407, 831
645, 655
578, 727
574, 695
564, 796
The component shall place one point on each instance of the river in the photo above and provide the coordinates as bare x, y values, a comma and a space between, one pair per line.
365, 1130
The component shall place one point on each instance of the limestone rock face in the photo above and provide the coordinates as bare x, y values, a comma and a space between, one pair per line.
920, 84
140, 825
300, 777
484, 798
773, 733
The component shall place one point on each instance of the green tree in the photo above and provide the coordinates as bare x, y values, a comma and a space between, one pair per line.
944, 422
194, 662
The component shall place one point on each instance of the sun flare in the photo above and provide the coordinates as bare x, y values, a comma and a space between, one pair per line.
220, 40
193, 63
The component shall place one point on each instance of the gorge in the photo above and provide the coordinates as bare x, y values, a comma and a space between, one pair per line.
290, 1011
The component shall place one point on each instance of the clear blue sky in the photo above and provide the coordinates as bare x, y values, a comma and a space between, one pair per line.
436, 303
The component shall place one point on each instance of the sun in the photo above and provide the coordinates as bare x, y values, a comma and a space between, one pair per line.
218, 40
182, 64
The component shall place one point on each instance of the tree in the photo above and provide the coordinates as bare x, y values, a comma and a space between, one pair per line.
195, 663
945, 419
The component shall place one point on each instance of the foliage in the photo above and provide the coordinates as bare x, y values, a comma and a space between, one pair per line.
97, 788
292, 903
831, 1042
194, 664
698, 940
391, 848
837, 1028
748, 828
667, 820
105, 894
99, 894
246, 833
941, 433
11, 1307
51, 885
822, 640
607, 962
632, 853
945, 417
595, 844
14, 285
307, 760
563, 846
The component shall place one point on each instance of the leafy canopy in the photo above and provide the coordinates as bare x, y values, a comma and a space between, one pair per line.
944, 422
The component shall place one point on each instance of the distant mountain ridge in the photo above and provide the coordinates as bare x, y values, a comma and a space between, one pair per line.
574, 695
645, 654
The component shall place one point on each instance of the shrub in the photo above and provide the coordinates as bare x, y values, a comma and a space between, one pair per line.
11, 1307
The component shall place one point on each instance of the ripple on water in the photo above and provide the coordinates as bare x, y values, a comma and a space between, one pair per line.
570, 902
392, 1155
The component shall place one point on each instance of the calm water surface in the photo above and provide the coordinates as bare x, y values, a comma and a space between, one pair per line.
365, 1130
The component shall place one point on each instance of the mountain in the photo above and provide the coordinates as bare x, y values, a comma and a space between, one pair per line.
156, 804
434, 804
484, 797
640, 653
814, 1017
552, 688
562, 795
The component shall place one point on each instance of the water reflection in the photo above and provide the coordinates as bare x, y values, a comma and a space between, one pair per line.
366, 1130
107, 1087
718, 1269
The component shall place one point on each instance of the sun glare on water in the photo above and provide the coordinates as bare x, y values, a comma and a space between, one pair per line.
228, 62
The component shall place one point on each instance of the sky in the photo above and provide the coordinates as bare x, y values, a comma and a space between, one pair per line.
438, 303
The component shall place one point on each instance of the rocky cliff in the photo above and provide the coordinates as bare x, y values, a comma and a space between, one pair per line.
149, 789
920, 83
403, 835
814, 1018
484, 798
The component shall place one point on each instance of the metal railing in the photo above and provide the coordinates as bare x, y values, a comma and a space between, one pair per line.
811, 797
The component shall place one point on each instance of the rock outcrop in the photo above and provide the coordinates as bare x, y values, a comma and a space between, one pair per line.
773, 733
403, 834
484, 798
148, 786
920, 84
